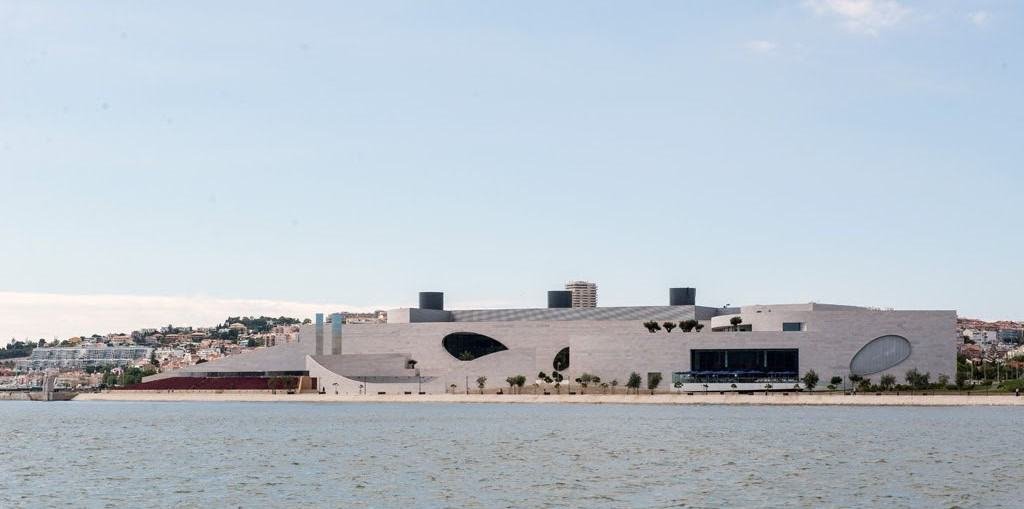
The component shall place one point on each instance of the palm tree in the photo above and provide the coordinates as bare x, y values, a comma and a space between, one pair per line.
520, 381
480, 383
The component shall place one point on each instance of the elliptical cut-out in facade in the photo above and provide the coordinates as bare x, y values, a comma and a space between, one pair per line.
467, 346
880, 354
561, 362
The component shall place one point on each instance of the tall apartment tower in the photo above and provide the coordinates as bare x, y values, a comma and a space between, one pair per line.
584, 294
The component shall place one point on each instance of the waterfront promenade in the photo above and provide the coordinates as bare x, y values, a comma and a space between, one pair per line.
823, 399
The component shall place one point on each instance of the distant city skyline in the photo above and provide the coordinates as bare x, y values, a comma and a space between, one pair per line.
182, 162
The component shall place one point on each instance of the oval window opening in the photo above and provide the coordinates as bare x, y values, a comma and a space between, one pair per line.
466, 346
561, 362
880, 354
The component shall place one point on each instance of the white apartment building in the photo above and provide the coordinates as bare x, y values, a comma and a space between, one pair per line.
584, 294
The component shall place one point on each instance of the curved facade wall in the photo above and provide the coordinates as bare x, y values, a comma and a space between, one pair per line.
880, 354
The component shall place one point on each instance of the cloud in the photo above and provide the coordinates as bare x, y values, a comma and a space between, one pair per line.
48, 315
762, 46
980, 18
867, 17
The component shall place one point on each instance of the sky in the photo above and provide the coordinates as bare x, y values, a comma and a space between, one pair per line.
186, 161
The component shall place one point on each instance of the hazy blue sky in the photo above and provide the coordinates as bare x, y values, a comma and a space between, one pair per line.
863, 152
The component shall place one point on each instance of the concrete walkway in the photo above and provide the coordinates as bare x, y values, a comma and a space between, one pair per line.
644, 399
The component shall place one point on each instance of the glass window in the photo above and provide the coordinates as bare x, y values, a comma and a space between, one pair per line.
745, 361
792, 326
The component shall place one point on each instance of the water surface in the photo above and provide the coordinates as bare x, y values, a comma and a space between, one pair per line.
120, 454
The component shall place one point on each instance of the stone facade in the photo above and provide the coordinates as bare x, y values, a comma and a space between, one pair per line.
827, 339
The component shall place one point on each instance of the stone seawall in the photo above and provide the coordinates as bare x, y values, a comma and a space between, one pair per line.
618, 399
36, 396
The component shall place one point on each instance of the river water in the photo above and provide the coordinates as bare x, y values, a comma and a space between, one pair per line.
118, 454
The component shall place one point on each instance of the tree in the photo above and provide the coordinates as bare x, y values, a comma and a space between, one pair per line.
864, 385
633, 382
481, 382
688, 325
916, 379
854, 378
961, 379
699, 327
653, 380
511, 381
615, 383
810, 380
943, 381
520, 381
735, 321
652, 326
834, 382
584, 380
669, 326
886, 382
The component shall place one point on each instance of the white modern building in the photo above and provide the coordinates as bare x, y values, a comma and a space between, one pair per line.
431, 349
82, 357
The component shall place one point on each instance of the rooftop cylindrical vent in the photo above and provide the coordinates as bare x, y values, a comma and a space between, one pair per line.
559, 299
682, 296
432, 300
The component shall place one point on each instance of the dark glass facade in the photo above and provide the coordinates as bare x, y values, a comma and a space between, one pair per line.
792, 327
746, 360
